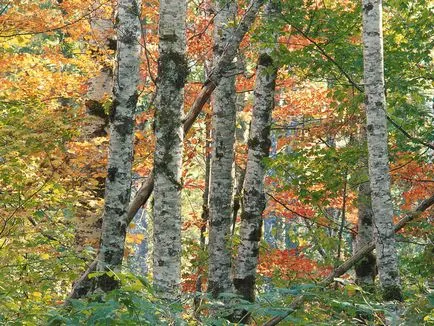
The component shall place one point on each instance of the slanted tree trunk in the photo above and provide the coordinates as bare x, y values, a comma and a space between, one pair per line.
118, 182
366, 267
350, 262
222, 158
172, 74
258, 149
375, 103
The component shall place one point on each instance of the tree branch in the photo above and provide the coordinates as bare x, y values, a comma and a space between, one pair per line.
355, 85
343, 268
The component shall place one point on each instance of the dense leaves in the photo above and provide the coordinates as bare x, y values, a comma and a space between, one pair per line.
52, 166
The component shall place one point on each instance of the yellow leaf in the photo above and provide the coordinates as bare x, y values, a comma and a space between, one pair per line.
37, 295
45, 256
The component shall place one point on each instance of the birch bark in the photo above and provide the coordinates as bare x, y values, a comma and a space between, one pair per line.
258, 149
143, 194
375, 103
172, 73
222, 157
118, 182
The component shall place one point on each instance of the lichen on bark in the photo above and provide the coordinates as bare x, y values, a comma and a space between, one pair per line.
258, 149
222, 157
379, 174
118, 182
172, 74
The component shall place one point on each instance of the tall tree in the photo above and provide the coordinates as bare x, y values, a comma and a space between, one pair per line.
118, 182
222, 157
81, 286
258, 149
375, 103
172, 74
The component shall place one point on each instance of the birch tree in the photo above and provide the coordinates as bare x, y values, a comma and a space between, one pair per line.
118, 182
81, 286
258, 149
222, 157
375, 103
172, 73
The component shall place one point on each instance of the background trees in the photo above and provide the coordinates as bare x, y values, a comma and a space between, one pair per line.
50, 172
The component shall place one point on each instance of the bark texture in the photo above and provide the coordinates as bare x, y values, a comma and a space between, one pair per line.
366, 267
375, 103
172, 73
222, 158
118, 182
254, 197
147, 187
215, 76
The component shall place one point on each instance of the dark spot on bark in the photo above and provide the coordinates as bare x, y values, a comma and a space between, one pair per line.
176, 76
393, 274
112, 114
107, 283
128, 37
168, 38
112, 44
132, 101
253, 142
255, 234
111, 173
95, 108
370, 128
379, 104
367, 220
122, 227
246, 287
160, 262
369, 7
124, 125
367, 266
215, 223
392, 292
265, 60
172, 251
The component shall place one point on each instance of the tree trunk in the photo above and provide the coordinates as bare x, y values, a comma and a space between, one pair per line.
145, 191
172, 73
366, 268
214, 78
379, 176
118, 182
222, 158
258, 149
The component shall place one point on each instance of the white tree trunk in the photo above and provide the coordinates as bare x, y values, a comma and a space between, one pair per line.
82, 284
118, 182
222, 158
375, 103
258, 149
172, 73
